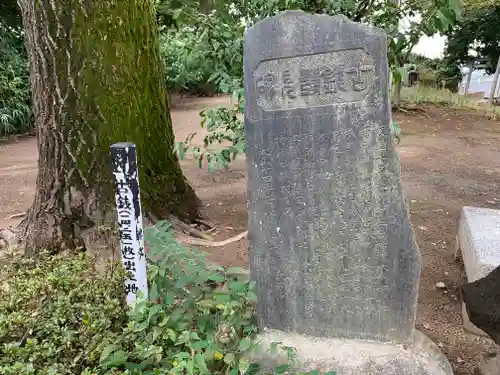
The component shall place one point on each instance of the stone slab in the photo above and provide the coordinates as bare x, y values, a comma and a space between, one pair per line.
332, 249
478, 245
479, 241
489, 365
355, 357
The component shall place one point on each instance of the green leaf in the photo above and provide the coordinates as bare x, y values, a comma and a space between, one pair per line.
194, 336
107, 351
253, 369
157, 332
153, 293
281, 369
115, 359
396, 75
172, 335
243, 365
252, 296
245, 344
217, 278
212, 164
456, 6
177, 13
180, 150
274, 347
183, 338
200, 362
198, 345
229, 358
155, 309
445, 21
182, 355
142, 326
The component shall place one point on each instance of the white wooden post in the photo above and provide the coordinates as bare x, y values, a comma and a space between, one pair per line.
128, 207
493, 90
469, 76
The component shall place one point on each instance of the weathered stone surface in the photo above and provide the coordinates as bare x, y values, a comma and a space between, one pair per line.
355, 357
482, 300
479, 241
478, 245
333, 252
489, 365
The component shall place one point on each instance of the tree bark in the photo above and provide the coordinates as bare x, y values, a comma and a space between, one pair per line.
469, 76
493, 90
97, 79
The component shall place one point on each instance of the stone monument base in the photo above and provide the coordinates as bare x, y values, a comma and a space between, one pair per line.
468, 325
354, 357
489, 365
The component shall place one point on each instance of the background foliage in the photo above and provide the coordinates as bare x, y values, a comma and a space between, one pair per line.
201, 41
56, 314
15, 111
476, 35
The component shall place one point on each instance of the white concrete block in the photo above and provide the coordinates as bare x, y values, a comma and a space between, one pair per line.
478, 244
479, 239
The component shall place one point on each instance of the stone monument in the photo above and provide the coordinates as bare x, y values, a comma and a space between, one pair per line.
333, 252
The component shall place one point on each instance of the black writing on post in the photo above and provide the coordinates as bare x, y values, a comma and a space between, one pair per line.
130, 230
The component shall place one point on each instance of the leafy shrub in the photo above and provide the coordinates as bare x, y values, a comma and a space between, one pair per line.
188, 325
204, 57
15, 111
223, 125
56, 314
199, 318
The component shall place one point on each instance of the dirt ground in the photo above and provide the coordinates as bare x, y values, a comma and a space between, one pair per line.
449, 160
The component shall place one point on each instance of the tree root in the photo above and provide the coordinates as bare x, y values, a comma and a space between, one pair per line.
15, 216
176, 223
194, 236
180, 226
406, 109
205, 223
200, 242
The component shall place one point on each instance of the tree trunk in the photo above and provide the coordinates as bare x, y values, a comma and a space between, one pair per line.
469, 76
397, 94
493, 90
97, 79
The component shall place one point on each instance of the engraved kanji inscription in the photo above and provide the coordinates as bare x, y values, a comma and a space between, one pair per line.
333, 78
289, 87
310, 82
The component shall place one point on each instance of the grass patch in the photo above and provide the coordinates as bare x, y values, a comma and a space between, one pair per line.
420, 94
